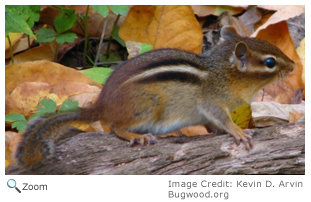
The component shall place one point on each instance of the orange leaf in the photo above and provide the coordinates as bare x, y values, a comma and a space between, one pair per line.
194, 130
163, 27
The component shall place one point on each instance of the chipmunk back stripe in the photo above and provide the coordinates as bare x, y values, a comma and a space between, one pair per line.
173, 62
171, 76
164, 73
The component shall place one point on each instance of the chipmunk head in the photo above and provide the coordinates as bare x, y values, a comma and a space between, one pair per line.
256, 56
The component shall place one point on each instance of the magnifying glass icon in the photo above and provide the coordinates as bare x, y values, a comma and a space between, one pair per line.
12, 184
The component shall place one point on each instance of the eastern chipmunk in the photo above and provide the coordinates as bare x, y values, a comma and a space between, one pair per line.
164, 90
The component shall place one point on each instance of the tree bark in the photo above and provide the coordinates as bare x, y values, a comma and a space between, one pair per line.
277, 150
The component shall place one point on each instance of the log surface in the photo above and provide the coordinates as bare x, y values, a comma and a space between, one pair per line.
277, 150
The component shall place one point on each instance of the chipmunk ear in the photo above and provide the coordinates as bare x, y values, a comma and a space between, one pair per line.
228, 32
240, 55
240, 50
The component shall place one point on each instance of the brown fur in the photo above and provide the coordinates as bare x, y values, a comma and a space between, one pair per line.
178, 90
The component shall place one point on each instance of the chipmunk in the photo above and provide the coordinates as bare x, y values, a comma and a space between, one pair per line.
166, 89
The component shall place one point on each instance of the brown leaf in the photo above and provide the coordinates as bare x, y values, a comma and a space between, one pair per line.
163, 27
133, 48
65, 89
48, 14
301, 52
204, 10
96, 24
25, 97
283, 13
251, 17
227, 19
194, 130
271, 7
29, 82
12, 139
14, 37
42, 52
270, 113
21, 45
294, 117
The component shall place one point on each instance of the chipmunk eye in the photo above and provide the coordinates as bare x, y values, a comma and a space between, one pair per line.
270, 62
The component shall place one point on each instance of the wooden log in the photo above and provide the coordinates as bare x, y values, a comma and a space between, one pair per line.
277, 150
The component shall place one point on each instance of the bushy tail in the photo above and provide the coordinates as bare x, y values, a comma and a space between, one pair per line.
39, 138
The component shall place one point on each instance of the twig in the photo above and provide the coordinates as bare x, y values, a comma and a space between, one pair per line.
86, 38
11, 48
110, 38
100, 42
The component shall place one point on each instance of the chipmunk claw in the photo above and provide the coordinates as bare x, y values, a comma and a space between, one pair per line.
246, 138
143, 139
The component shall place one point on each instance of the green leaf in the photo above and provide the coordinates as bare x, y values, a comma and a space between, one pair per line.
64, 21
19, 121
34, 14
36, 115
102, 10
69, 105
49, 106
14, 117
119, 9
45, 35
145, 48
115, 35
15, 22
66, 38
98, 74
111, 58
20, 125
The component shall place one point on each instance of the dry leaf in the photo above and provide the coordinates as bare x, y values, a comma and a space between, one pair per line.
251, 17
15, 37
85, 99
64, 89
294, 117
194, 130
42, 52
271, 113
25, 97
227, 19
12, 140
301, 53
133, 48
21, 45
48, 14
242, 115
204, 10
29, 82
271, 7
163, 27
96, 24
283, 13
263, 20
